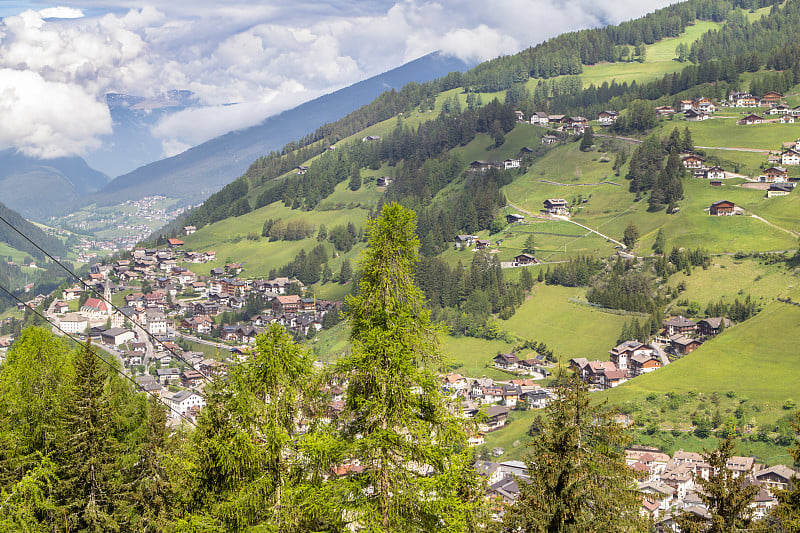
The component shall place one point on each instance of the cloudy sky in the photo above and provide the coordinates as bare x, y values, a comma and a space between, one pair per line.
57, 60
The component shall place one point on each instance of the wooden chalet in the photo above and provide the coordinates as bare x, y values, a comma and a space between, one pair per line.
514, 217
607, 118
722, 208
771, 98
679, 324
525, 259
555, 206
751, 119
710, 326
693, 161
774, 175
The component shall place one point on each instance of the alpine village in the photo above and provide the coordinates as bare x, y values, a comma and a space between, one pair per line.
556, 292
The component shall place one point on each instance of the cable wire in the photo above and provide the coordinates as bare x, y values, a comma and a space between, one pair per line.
117, 370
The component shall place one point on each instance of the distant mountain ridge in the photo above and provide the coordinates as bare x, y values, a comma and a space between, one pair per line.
37, 188
196, 173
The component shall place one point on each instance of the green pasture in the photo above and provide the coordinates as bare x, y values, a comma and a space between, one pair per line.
570, 329
229, 239
756, 359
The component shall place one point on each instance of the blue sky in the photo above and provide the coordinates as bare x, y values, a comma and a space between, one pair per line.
58, 59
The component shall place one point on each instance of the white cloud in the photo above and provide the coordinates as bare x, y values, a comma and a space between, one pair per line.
61, 12
48, 119
265, 56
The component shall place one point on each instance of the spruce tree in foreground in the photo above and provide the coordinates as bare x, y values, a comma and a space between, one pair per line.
578, 477
87, 486
417, 474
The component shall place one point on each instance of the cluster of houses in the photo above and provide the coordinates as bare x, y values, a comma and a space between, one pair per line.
491, 401
483, 166
668, 485
564, 123
695, 110
680, 336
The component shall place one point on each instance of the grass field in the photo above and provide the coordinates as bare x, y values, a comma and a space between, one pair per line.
730, 278
569, 329
229, 239
725, 132
659, 60
475, 355
756, 359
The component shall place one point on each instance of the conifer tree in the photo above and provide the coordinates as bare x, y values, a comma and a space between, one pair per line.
355, 179
660, 243
396, 422
587, 140
87, 488
578, 477
688, 144
726, 495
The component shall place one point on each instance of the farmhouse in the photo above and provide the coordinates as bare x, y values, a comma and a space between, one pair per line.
686, 105
525, 259
742, 99
682, 345
790, 157
714, 173
771, 98
555, 206
506, 361
384, 181
692, 161
694, 116
779, 110
751, 119
174, 243
607, 118
679, 324
722, 208
540, 118
710, 326
664, 110
622, 354
549, 139
465, 240
643, 363
482, 244
514, 217
774, 175
704, 105
787, 119
508, 164
483, 166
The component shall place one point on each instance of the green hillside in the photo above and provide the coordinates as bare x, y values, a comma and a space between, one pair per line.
428, 147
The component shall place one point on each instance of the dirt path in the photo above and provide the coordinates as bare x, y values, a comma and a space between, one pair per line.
587, 228
768, 223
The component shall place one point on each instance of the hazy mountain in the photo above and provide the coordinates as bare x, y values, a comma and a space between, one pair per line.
204, 169
39, 187
132, 143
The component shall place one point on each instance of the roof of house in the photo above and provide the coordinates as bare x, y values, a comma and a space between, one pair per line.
680, 321
779, 470
715, 321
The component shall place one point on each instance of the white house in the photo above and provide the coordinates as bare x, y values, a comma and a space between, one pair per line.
73, 323
185, 400
790, 157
